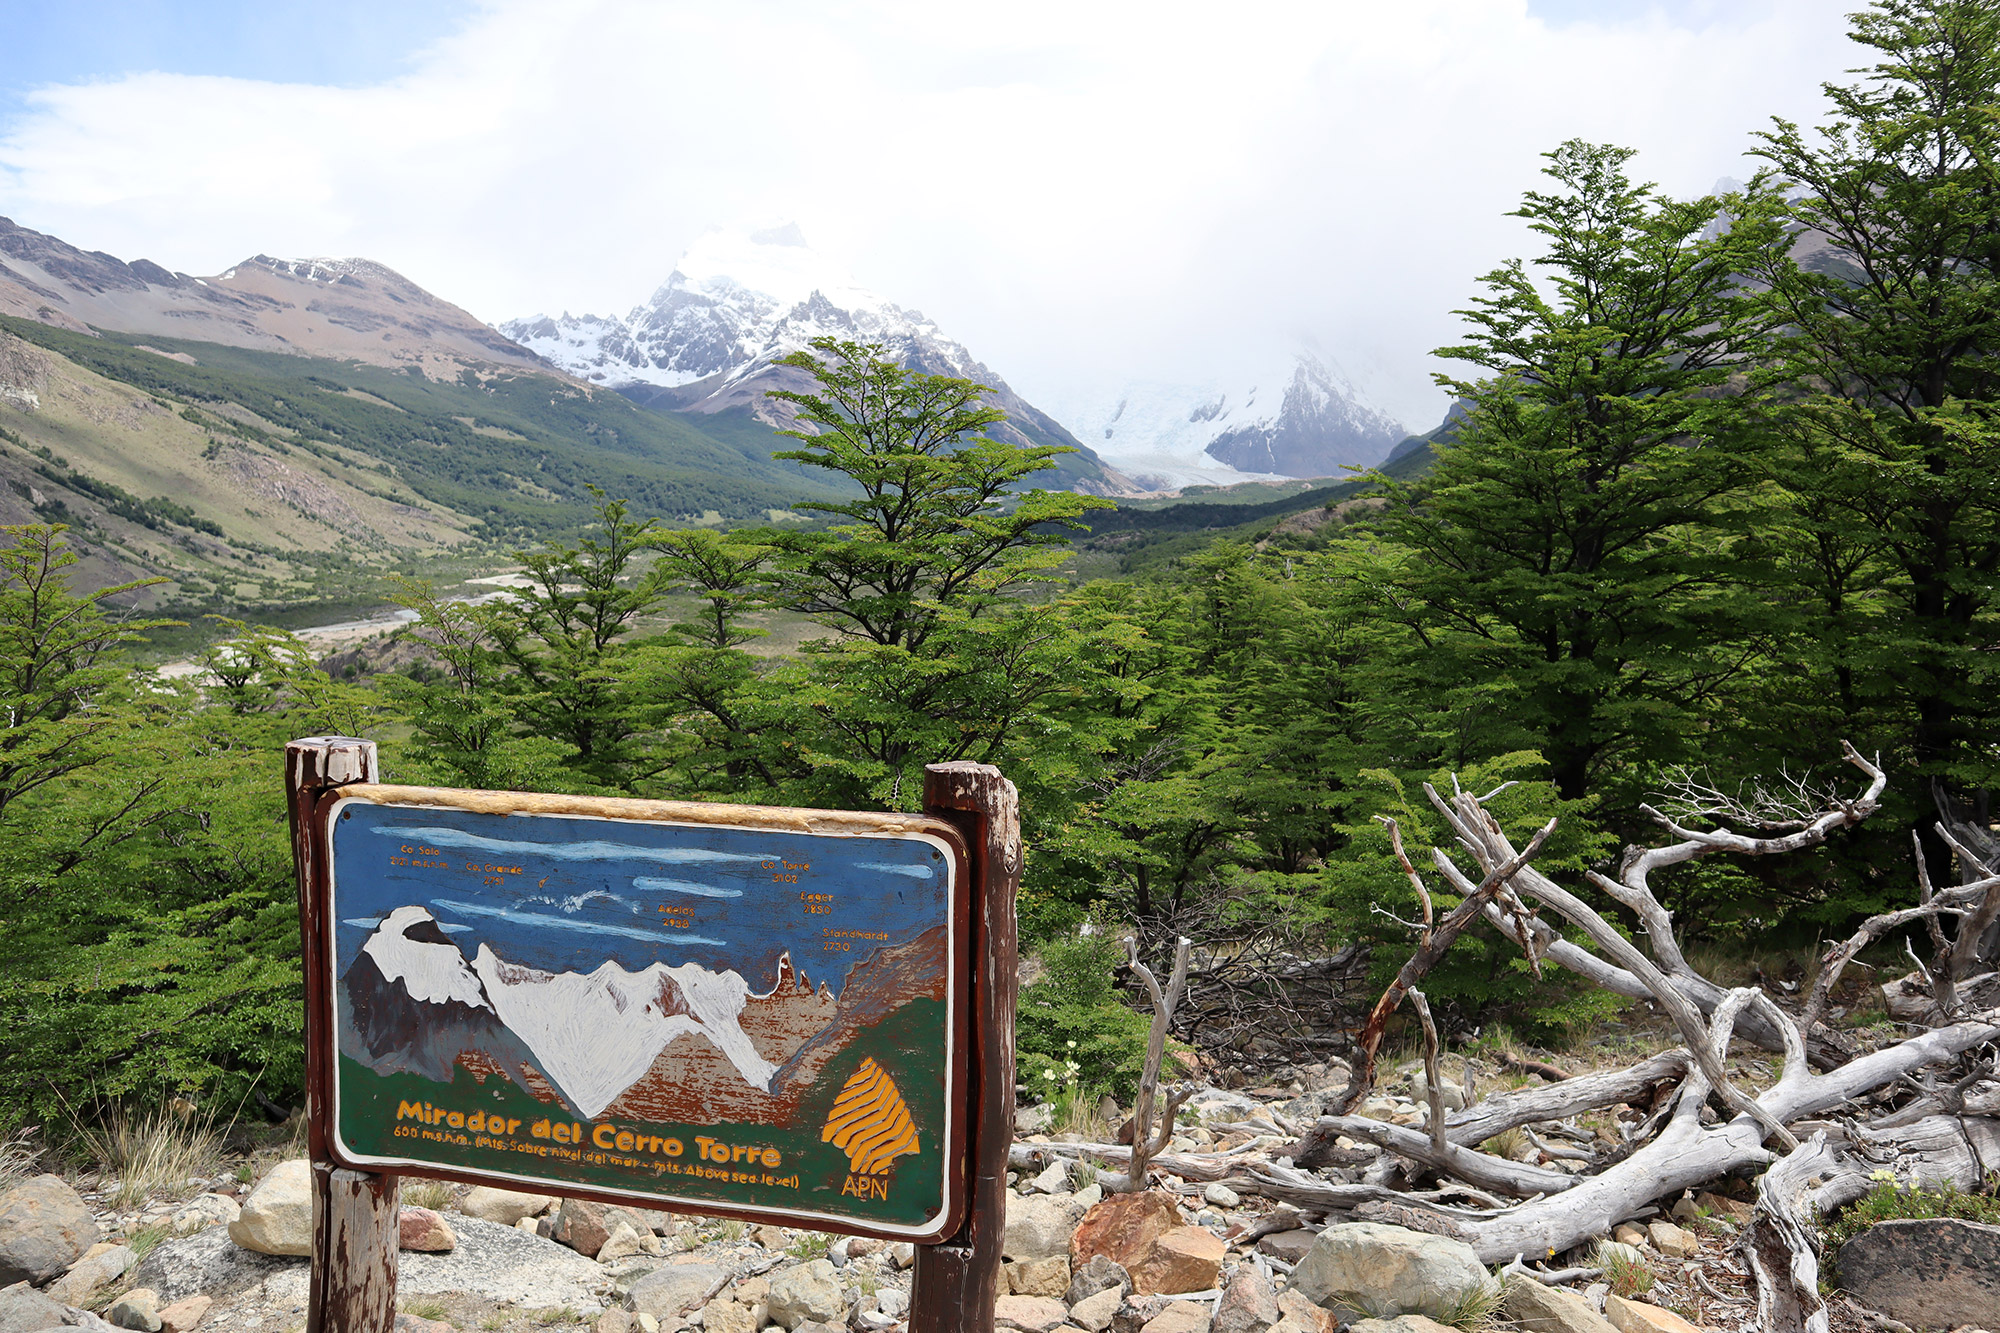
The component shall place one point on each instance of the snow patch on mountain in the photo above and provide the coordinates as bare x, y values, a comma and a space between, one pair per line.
595, 1034
432, 970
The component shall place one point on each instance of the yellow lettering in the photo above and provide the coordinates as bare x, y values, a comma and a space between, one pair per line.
409, 1111
597, 1135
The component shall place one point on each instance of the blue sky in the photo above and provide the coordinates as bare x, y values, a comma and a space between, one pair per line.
1085, 192
607, 890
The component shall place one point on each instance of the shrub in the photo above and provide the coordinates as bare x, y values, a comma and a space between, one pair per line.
1074, 1015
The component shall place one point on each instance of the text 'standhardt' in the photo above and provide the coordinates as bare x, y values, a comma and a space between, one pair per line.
730, 1016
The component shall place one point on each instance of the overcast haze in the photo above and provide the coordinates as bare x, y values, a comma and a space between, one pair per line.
1080, 192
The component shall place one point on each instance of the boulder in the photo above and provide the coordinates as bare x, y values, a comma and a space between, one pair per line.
1638, 1317
1540, 1309
44, 1228
1361, 1269
504, 1206
104, 1264
670, 1292
205, 1210
1123, 1228
1184, 1259
207, 1262
1178, 1317
1094, 1311
422, 1229
25, 1310
138, 1309
584, 1226
277, 1217
1040, 1277
810, 1293
1928, 1273
1249, 1304
1099, 1274
182, 1316
1029, 1314
1039, 1227
504, 1265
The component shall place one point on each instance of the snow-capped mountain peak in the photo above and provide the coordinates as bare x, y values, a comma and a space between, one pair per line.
409, 948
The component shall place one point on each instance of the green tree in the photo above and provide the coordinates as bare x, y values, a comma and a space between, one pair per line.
1891, 308
1575, 547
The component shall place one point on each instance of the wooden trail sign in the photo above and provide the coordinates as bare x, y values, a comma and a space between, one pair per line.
787, 1016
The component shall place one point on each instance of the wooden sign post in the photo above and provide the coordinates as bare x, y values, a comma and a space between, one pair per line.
800, 1017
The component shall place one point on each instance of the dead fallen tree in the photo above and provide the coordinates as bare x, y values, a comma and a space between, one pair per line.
1918, 1107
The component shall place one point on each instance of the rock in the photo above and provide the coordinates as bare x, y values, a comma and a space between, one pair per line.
1627, 1234
1300, 1313
1039, 1227
1136, 1312
1929, 1273
860, 1247
584, 1226
1288, 1246
1100, 1274
1089, 1196
1040, 1277
205, 1210
1221, 1195
529, 1225
1036, 1119
1406, 1323
45, 1226
422, 1229
670, 1292
504, 1206
208, 1262
1094, 1311
1617, 1250
1638, 1317
25, 1310
1123, 1228
505, 1265
1540, 1309
893, 1301
728, 1316
613, 1320
1184, 1259
771, 1238
1249, 1304
810, 1293
105, 1263
138, 1308
277, 1217
902, 1254
1179, 1317
1370, 1268
1054, 1179
1029, 1314
1721, 1205
182, 1316
622, 1244
1671, 1241
409, 1323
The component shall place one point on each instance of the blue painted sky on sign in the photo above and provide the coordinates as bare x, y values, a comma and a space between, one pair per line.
592, 890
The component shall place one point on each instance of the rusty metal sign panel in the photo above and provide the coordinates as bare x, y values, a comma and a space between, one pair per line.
721, 1009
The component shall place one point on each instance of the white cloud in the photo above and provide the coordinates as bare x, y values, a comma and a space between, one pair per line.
1080, 191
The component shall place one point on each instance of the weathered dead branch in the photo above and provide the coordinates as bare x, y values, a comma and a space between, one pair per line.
1146, 1142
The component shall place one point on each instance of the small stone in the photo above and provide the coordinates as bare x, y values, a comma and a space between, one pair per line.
1179, 1317
183, 1315
1287, 1246
771, 1238
1629, 1316
1094, 1312
1185, 1259
507, 1207
277, 1217
1721, 1205
1627, 1234
1053, 1180
670, 1292
902, 1254
1101, 1273
613, 1320
1402, 1323
1305, 1315
137, 1309
727, 1316
205, 1210
1249, 1303
1029, 1314
1671, 1241
1619, 1250
623, 1243
1089, 1196
1541, 1309
1221, 1195
893, 1301
860, 1247
645, 1323
1039, 1227
101, 1265
422, 1230
530, 1225
1040, 1277
809, 1293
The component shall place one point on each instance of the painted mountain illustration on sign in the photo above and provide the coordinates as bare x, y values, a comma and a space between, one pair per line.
660, 1042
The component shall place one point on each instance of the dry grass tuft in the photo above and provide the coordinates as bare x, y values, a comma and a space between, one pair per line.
155, 1151
18, 1159
431, 1194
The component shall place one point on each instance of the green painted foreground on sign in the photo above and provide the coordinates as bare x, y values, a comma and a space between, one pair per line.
733, 1014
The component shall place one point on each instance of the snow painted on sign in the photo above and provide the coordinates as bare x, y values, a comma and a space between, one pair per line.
430, 970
